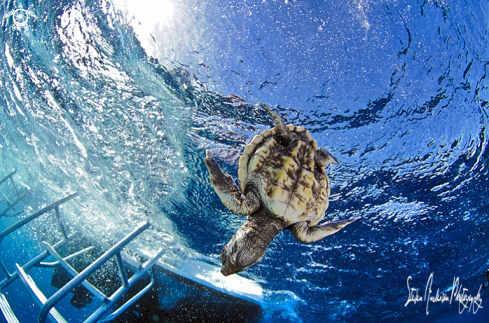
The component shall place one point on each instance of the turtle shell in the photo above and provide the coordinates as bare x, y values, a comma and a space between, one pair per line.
291, 185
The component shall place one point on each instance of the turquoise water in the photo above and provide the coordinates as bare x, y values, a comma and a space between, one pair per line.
122, 111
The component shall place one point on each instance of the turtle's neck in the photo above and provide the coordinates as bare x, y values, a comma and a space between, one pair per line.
249, 244
265, 226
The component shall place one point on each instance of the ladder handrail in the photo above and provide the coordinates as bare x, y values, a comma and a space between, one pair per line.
35, 215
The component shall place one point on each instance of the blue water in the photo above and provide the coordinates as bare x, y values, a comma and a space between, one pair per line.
397, 91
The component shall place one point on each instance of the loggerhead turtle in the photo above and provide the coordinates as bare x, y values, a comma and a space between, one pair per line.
283, 185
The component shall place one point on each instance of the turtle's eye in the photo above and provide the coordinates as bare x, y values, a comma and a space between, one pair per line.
319, 168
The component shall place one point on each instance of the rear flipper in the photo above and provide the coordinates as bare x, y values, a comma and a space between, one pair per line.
228, 191
306, 234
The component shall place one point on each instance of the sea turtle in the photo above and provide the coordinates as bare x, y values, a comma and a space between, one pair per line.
283, 185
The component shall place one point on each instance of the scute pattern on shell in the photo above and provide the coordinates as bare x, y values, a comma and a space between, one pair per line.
290, 185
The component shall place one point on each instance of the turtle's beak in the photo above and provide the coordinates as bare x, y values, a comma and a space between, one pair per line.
228, 268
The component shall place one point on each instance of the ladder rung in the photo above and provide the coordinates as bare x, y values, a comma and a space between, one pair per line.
31, 263
85, 273
7, 310
29, 282
117, 294
55, 263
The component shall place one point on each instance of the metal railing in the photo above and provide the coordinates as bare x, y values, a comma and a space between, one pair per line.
48, 303
12, 276
10, 199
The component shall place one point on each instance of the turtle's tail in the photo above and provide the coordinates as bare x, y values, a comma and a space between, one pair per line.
282, 131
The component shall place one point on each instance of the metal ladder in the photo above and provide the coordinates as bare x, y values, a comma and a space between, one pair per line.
7, 185
105, 312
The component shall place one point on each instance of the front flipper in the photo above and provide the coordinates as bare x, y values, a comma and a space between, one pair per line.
228, 191
306, 234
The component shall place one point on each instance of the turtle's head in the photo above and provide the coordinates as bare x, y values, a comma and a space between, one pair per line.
245, 249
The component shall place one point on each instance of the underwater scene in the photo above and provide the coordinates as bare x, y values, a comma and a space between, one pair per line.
114, 104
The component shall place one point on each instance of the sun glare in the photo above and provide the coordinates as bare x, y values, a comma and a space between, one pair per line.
149, 12
146, 17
